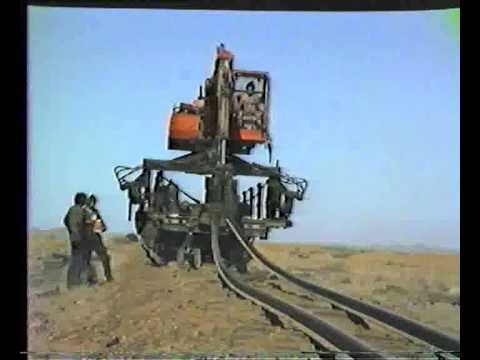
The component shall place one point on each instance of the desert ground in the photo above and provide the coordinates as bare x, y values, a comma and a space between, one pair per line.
151, 310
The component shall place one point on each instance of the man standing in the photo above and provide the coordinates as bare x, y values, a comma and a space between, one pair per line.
274, 196
95, 243
287, 206
160, 191
173, 206
76, 223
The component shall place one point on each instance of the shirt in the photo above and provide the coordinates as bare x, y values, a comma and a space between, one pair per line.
98, 225
75, 222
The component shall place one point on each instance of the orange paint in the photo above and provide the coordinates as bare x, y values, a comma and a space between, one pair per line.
249, 136
225, 55
185, 126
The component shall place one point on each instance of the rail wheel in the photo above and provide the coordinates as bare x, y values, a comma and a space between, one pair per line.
242, 267
148, 242
181, 258
197, 258
238, 260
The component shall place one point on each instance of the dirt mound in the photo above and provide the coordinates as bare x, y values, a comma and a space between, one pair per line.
149, 310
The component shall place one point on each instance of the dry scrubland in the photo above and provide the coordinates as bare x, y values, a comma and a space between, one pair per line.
424, 287
152, 310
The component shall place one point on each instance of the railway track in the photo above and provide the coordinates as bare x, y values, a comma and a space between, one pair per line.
370, 333
442, 346
324, 335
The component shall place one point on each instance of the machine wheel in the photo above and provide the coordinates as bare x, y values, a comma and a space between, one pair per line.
155, 260
242, 267
181, 258
147, 241
239, 259
197, 258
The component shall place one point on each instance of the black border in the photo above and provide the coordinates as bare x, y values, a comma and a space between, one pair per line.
15, 245
261, 5
464, 349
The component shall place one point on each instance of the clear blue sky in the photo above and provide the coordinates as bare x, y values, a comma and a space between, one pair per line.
364, 105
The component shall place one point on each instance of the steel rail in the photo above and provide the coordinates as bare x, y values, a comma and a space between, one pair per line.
320, 331
398, 323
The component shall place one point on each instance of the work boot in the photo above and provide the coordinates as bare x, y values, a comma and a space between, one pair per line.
109, 277
72, 286
91, 277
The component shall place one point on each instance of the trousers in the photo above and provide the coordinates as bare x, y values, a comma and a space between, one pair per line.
96, 245
77, 264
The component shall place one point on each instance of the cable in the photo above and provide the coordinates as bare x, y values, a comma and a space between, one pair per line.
180, 190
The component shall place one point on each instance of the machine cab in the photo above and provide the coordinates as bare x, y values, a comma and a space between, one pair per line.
250, 116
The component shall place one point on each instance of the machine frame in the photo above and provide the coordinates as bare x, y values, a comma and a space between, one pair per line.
171, 228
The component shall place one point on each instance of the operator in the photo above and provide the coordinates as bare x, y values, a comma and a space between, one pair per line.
251, 108
95, 241
248, 99
76, 223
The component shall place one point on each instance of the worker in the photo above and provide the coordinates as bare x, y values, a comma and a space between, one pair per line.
160, 190
274, 195
172, 193
138, 188
95, 243
287, 206
76, 221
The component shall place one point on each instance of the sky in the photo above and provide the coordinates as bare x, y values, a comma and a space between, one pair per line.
365, 106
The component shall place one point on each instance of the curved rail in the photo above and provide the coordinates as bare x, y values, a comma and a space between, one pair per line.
320, 331
396, 322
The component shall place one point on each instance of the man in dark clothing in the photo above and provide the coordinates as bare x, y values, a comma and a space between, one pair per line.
160, 191
287, 206
95, 243
274, 196
76, 223
173, 205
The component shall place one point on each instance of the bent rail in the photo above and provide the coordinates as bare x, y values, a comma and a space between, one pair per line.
320, 331
396, 322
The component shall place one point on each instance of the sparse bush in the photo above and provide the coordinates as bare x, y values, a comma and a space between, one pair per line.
341, 252
437, 297
396, 289
379, 291
454, 291
441, 286
314, 252
333, 267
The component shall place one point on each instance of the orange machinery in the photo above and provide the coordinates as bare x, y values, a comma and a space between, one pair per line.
192, 127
